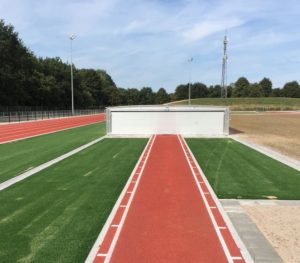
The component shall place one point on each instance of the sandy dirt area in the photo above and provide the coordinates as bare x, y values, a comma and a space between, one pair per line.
281, 226
279, 131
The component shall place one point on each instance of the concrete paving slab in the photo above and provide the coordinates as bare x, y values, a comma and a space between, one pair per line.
258, 246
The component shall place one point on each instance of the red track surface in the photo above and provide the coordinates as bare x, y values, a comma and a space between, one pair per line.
168, 213
15, 131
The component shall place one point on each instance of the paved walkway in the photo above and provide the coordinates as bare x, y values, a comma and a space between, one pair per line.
258, 246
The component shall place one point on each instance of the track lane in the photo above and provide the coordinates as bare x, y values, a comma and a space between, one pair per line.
15, 131
168, 220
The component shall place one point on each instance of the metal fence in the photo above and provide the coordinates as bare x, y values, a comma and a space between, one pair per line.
29, 114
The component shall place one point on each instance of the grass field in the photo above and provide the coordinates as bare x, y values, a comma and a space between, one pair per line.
20, 156
236, 171
56, 215
241, 104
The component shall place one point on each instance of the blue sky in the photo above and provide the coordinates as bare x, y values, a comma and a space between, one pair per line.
148, 42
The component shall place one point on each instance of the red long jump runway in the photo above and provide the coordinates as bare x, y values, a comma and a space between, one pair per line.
167, 213
16, 131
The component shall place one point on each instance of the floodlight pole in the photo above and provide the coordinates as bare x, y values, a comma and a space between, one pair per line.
72, 37
190, 63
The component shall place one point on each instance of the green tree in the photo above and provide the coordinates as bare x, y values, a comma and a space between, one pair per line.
161, 96
182, 92
112, 96
16, 68
90, 87
147, 96
241, 88
266, 86
133, 96
255, 90
291, 89
198, 90
276, 92
214, 91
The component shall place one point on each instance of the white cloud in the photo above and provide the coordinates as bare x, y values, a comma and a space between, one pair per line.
206, 28
153, 39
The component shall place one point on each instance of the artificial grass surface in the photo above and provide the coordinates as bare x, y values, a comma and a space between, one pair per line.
20, 156
237, 171
57, 214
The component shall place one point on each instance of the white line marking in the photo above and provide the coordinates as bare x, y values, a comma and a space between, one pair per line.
213, 220
222, 227
116, 236
213, 207
94, 250
244, 251
101, 255
43, 166
206, 193
129, 192
237, 258
114, 225
123, 206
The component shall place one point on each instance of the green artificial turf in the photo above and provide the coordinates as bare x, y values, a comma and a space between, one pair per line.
237, 171
57, 214
242, 104
20, 156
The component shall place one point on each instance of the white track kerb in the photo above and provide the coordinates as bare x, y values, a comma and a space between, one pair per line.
230, 226
41, 167
93, 253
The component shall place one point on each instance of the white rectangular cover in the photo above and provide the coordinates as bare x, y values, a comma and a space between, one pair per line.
167, 120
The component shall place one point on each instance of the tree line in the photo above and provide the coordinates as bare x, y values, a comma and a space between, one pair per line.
241, 88
28, 80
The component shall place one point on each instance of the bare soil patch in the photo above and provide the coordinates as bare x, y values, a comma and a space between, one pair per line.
281, 226
277, 130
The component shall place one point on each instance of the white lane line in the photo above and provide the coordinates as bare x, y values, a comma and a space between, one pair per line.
123, 206
213, 220
244, 251
101, 255
94, 250
213, 207
116, 236
43, 166
129, 192
237, 258
222, 227
114, 225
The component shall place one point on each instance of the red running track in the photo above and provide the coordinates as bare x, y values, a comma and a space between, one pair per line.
16, 131
167, 213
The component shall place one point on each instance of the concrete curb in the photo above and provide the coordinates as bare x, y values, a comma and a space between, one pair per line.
43, 166
271, 153
244, 250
